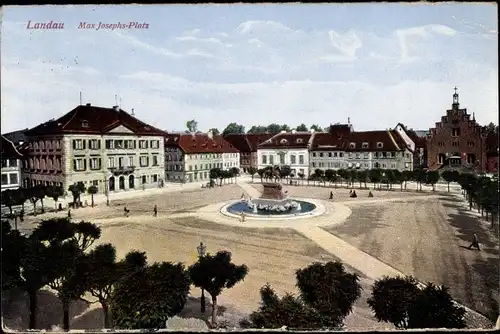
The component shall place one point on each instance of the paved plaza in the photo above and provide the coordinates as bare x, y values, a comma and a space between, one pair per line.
393, 233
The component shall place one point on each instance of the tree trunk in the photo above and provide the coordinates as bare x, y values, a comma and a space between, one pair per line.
214, 312
34, 208
92, 199
65, 305
448, 186
41, 202
105, 310
33, 306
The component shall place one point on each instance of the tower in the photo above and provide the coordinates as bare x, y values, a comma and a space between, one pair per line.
455, 99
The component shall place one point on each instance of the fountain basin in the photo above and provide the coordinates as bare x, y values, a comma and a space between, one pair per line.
262, 209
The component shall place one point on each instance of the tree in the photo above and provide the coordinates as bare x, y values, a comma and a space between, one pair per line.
288, 311
233, 128
392, 298
329, 289
362, 176
434, 308
8, 198
261, 172
397, 177
76, 190
55, 192
301, 176
67, 243
214, 131
40, 193
302, 127
252, 171
213, 273
316, 128
258, 129
450, 176
104, 272
420, 177
406, 176
192, 126
92, 190
285, 171
34, 194
13, 246
343, 174
159, 292
400, 301
274, 128
331, 176
432, 177
235, 172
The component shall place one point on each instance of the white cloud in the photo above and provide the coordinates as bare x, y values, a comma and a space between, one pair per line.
257, 27
346, 44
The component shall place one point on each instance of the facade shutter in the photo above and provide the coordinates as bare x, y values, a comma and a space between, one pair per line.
74, 161
99, 144
99, 161
84, 142
74, 144
84, 164
90, 145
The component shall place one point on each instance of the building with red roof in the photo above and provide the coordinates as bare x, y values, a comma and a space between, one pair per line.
10, 158
457, 141
105, 147
246, 144
191, 156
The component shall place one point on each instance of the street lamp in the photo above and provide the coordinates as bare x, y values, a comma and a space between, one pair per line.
201, 252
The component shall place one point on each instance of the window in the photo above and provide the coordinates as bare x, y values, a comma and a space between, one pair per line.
441, 158
293, 159
282, 158
358, 155
129, 144
271, 159
471, 158
144, 179
329, 154
299, 140
110, 144
94, 144
455, 132
95, 163
131, 161
364, 145
389, 155
42, 146
470, 144
264, 159
12, 162
352, 145
155, 144
111, 162
119, 144
155, 178
441, 144
144, 161
366, 155
380, 144
155, 160
48, 146
78, 144
283, 141
314, 154
301, 160
79, 165
321, 154
120, 162
85, 124
95, 183
13, 178
5, 179
455, 144
313, 164
143, 144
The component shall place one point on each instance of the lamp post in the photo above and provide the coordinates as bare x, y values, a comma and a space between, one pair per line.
201, 252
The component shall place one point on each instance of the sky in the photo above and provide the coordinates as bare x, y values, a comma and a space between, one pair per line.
375, 64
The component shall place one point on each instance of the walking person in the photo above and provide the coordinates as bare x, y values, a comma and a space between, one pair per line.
155, 211
126, 211
475, 243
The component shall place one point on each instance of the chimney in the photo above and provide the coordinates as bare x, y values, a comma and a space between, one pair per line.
116, 108
88, 104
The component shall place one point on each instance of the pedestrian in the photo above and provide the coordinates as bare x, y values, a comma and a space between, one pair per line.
21, 215
242, 216
370, 194
126, 211
475, 243
331, 195
69, 213
155, 210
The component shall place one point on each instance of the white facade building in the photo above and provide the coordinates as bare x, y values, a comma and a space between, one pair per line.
11, 165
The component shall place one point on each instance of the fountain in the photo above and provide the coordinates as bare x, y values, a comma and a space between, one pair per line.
273, 202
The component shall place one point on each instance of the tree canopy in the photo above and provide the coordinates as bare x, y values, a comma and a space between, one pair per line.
233, 128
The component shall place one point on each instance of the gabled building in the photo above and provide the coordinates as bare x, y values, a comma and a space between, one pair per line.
287, 148
104, 147
457, 141
10, 159
419, 149
246, 144
191, 156
344, 148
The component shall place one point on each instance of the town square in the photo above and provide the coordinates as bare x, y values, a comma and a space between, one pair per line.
144, 210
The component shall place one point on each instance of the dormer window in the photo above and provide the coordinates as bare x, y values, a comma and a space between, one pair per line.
380, 144
283, 141
299, 140
364, 145
85, 124
352, 145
